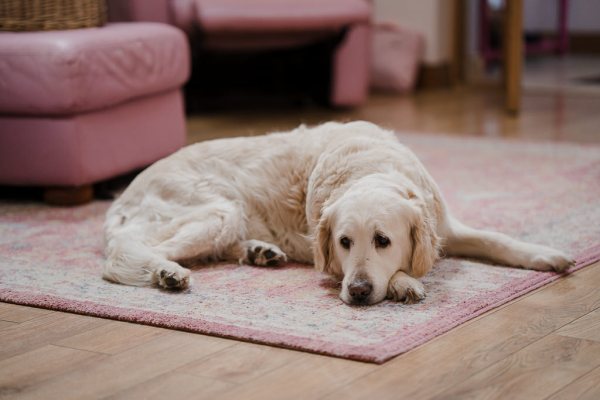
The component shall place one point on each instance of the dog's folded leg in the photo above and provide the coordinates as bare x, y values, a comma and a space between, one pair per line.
205, 232
256, 252
133, 263
461, 240
405, 288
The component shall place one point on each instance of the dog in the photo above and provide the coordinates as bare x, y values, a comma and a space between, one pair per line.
348, 198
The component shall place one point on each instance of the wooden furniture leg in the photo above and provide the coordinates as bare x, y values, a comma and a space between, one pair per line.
513, 55
69, 196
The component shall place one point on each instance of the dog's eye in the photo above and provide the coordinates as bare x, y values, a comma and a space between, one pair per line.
381, 241
345, 242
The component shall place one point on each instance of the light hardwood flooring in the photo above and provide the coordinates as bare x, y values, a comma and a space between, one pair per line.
543, 345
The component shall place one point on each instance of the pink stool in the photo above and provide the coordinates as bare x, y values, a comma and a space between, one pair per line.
81, 106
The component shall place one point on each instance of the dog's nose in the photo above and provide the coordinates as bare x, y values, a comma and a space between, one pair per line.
360, 290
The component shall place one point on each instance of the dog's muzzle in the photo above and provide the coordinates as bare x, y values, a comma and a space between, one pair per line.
359, 291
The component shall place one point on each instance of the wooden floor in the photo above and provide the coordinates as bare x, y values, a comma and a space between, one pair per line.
543, 345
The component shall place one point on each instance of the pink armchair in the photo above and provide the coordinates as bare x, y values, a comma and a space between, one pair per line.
235, 25
84, 105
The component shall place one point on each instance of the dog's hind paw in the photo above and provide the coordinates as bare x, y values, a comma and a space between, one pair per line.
551, 260
174, 280
263, 254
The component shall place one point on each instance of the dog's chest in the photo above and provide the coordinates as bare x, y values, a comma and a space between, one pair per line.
295, 245
282, 225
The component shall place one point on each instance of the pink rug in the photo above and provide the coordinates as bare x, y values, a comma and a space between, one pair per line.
542, 192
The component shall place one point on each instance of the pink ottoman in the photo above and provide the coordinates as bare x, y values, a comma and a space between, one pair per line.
84, 105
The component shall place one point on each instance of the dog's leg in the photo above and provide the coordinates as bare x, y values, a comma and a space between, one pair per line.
261, 253
204, 233
131, 262
461, 240
405, 288
207, 232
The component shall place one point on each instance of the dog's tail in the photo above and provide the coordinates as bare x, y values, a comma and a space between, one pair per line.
128, 259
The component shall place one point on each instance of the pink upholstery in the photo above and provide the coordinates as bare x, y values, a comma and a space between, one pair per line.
55, 72
350, 78
267, 24
84, 105
183, 14
89, 147
217, 16
395, 58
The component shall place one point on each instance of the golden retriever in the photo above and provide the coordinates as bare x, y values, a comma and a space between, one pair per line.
347, 197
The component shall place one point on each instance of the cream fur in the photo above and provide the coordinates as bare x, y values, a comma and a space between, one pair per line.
264, 200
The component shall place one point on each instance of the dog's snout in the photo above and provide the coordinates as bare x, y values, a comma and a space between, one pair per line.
360, 290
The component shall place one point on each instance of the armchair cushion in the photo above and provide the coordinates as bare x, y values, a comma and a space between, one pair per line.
68, 72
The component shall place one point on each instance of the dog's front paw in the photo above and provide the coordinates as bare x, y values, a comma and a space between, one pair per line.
550, 260
264, 254
405, 288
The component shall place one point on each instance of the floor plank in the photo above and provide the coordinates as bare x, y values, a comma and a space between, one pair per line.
7, 324
309, 377
586, 387
586, 327
112, 337
130, 368
175, 386
31, 368
472, 347
460, 111
240, 363
43, 330
17, 313
535, 372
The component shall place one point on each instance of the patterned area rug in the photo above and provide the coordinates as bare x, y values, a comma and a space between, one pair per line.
540, 192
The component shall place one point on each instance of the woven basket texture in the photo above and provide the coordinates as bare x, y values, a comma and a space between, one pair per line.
44, 15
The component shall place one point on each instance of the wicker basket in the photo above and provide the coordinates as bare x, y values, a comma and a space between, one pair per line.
45, 15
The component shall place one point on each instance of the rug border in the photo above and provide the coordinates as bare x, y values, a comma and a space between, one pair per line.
369, 353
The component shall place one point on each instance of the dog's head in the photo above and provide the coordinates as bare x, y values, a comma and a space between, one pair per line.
376, 228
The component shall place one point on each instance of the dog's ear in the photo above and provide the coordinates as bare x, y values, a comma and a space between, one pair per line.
323, 252
425, 242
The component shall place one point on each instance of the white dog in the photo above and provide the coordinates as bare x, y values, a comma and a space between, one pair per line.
347, 197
